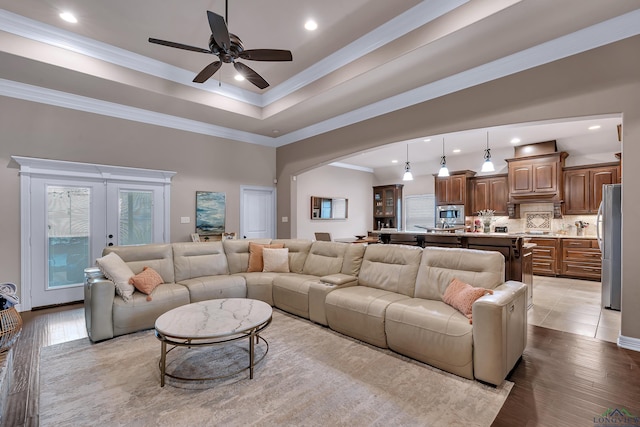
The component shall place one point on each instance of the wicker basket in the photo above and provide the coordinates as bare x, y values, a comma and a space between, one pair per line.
10, 327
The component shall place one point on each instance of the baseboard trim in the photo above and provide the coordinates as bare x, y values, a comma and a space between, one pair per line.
629, 343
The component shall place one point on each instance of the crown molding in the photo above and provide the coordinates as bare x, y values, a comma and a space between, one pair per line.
610, 31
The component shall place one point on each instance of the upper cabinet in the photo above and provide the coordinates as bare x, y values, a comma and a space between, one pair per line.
387, 206
490, 192
453, 189
583, 187
537, 179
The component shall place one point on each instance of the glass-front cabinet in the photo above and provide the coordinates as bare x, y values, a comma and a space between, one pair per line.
387, 206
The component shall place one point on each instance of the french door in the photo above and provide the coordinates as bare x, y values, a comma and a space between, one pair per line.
68, 219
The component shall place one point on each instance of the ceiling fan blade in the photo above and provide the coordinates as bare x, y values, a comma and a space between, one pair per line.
251, 75
219, 30
266, 55
207, 72
179, 45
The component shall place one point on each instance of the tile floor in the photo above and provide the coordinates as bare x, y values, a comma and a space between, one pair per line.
573, 306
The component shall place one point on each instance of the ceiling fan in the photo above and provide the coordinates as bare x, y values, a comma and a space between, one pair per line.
228, 48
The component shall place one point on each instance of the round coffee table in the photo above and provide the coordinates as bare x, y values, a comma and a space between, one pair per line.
209, 323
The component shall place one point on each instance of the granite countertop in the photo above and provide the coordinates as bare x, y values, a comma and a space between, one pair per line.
470, 234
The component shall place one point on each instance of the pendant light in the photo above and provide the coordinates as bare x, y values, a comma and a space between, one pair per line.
408, 176
487, 166
443, 163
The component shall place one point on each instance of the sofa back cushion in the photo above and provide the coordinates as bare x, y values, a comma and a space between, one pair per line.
298, 251
390, 267
353, 260
439, 266
158, 256
237, 252
325, 258
199, 259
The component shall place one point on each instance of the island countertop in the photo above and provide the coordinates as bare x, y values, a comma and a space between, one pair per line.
471, 234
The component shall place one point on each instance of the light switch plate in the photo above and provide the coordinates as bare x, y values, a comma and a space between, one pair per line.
285, 219
185, 220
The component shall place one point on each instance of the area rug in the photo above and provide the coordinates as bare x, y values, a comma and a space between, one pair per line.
310, 376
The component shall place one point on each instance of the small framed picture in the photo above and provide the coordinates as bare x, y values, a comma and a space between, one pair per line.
228, 236
195, 237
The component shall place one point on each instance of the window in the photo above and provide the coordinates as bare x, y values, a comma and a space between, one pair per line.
420, 212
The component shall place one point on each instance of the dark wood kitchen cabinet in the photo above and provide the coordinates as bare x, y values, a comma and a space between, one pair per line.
536, 177
583, 187
490, 192
545, 256
387, 206
453, 189
581, 258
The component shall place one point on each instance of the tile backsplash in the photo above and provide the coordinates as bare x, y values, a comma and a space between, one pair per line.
533, 216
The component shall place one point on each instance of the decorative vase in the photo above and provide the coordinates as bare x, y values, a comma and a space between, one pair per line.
486, 222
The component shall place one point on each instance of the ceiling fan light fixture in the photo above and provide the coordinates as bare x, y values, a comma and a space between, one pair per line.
443, 172
239, 77
487, 166
408, 176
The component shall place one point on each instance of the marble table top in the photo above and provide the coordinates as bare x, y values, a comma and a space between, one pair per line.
214, 318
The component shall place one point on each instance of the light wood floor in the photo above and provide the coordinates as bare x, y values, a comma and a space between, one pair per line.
563, 379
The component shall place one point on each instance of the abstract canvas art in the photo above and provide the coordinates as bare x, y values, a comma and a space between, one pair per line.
210, 213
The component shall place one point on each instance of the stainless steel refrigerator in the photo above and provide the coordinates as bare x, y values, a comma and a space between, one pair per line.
609, 232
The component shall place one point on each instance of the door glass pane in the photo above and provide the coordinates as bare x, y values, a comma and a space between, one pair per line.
135, 217
67, 234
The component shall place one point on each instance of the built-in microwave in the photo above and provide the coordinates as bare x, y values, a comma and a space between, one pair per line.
450, 215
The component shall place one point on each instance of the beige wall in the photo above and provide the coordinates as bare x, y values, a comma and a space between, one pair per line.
201, 162
331, 181
601, 81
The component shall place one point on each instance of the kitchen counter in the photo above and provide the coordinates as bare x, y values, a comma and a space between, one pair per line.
471, 234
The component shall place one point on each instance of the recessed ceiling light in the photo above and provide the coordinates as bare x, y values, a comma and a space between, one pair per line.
311, 25
594, 127
427, 140
69, 17
456, 150
239, 77
515, 140
276, 131
394, 161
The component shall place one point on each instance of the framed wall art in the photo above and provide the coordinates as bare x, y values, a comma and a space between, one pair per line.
210, 213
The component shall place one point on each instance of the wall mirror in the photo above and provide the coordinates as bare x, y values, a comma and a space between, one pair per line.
329, 207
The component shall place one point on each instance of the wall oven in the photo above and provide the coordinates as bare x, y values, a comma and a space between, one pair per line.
450, 215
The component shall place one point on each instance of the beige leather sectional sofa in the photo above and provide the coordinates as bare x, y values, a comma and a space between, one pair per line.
389, 296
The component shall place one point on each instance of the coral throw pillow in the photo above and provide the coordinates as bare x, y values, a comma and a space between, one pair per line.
276, 260
146, 281
461, 296
255, 255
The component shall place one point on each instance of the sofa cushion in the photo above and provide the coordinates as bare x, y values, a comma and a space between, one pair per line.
215, 287
461, 296
325, 258
353, 259
298, 251
146, 281
439, 266
291, 293
390, 267
432, 332
259, 285
199, 259
237, 252
275, 260
359, 312
139, 314
256, 262
158, 256
116, 270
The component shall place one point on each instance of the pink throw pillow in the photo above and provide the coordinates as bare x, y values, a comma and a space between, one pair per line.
461, 296
146, 281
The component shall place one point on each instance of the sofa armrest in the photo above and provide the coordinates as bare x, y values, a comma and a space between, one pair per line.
99, 293
499, 331
339, 279
318, 293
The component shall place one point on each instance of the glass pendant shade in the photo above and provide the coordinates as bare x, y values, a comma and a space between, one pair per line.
408, 176
443, 163
487, 166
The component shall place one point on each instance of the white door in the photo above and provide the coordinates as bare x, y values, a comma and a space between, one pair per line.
68, 233
257, 212
71, 211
